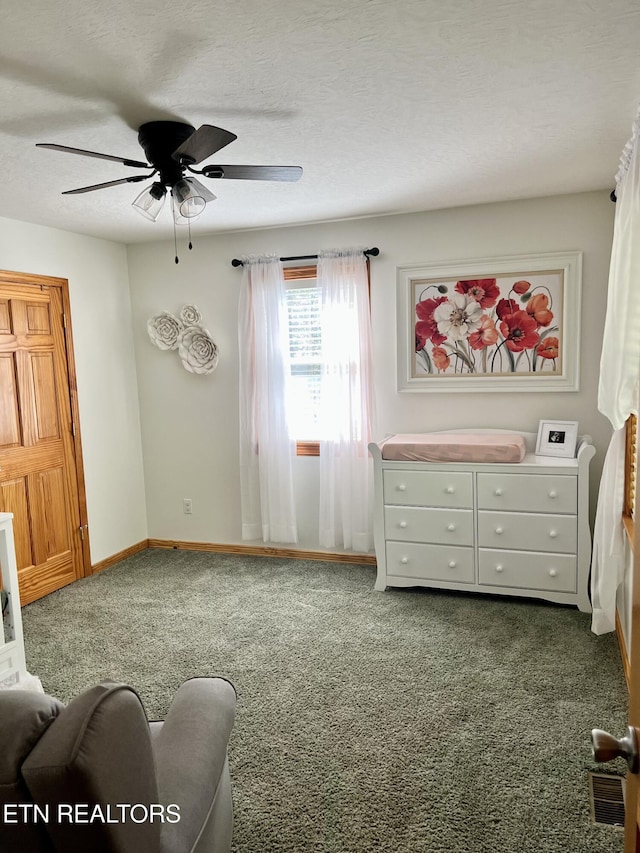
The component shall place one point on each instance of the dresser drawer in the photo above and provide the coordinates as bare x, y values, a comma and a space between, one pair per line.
428, 488
524, 570
528, 492
430, 562
528, 532
424, 524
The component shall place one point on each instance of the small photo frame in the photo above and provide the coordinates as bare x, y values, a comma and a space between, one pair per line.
557, 438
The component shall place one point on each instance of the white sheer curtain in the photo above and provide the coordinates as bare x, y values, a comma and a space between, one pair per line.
346, 401
619, 372
266, 451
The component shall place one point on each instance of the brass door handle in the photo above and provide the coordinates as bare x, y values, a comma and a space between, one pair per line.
606, 747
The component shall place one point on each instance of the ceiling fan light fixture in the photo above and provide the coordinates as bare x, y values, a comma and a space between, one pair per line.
150, 201
187, 201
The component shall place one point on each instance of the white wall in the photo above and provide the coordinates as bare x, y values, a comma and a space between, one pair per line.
106, 372
190, 423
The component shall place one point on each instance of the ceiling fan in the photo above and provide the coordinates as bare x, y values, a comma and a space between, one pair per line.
172, 149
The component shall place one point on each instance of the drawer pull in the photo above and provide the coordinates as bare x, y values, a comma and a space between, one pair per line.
401, 487
553, 533
452, 564
450, 490
499, 531
553, 573
553, 493
402, 524
499, 569
451, 527
498, 492
404, 560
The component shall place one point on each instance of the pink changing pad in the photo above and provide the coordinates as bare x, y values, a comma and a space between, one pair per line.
454, 447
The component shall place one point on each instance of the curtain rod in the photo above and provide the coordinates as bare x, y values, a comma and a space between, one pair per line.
374, 252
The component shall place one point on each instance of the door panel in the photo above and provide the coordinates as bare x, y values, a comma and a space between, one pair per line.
38, 476
9, 415
52, 514
13, 498
5, 324
47, 424
38, 321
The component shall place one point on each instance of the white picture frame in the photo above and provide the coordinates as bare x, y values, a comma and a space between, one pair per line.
487, 358
557, 438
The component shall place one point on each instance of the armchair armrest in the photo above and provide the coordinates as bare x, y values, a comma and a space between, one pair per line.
190, 752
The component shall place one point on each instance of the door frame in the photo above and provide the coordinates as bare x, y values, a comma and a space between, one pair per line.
42, 281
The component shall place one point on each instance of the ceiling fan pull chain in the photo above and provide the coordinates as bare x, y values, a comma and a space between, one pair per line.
190, 244
175, 241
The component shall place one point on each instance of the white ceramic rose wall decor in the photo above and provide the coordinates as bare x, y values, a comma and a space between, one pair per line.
198, 353
190, 316
164, 330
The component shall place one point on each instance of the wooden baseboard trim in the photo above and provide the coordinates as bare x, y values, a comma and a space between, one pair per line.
263, 551
121, 555
623, 651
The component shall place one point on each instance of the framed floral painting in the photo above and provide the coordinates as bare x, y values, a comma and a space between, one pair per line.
498, 324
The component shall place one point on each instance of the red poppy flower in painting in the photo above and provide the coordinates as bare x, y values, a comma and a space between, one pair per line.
548, 348
505, 307
486, 336
520, 331
483, 290
426, 327
440, 358
538, 308
521, 286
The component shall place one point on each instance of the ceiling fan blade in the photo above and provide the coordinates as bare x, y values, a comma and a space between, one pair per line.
133, 179
202, 191
254, 173
138, 164
203, 143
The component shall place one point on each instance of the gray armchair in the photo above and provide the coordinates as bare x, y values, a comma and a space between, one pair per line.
96, 776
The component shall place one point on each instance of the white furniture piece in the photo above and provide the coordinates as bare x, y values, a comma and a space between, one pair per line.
13, 667
507, 529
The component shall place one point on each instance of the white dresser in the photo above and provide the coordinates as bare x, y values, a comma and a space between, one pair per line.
506, 529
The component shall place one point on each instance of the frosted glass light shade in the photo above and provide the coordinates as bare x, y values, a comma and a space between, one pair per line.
150, 201
187, 202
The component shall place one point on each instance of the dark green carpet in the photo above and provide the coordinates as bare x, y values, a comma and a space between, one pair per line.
394, 722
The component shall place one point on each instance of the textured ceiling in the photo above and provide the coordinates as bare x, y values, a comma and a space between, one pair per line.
388, 106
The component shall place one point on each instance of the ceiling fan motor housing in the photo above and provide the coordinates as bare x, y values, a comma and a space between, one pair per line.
159, 140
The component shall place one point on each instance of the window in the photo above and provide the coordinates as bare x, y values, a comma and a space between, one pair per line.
305, 354
305, 357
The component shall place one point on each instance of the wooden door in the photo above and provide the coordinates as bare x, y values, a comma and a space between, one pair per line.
40, 458
632, 800
606, 747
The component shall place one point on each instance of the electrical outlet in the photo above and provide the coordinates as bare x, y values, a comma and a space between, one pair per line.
186, 506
